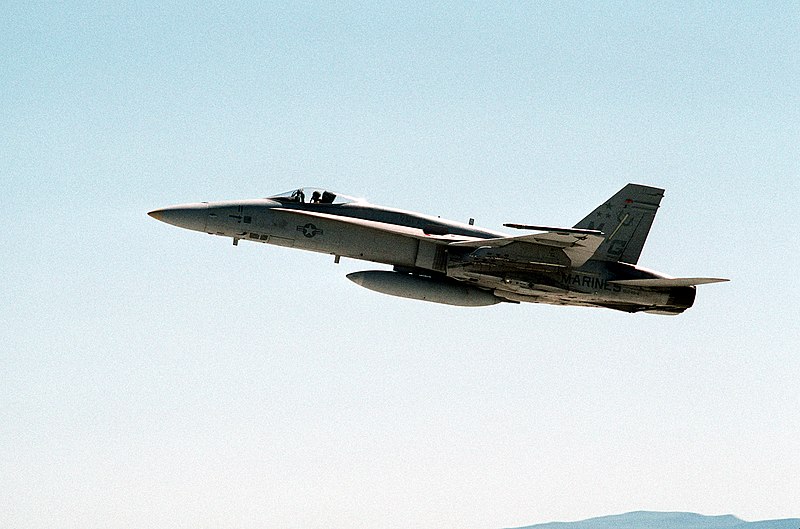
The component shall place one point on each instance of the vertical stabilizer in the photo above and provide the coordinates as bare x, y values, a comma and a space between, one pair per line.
625, 220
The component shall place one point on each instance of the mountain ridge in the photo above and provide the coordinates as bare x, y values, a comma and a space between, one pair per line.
667, 520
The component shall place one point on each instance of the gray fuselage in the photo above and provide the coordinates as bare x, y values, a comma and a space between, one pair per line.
420, 245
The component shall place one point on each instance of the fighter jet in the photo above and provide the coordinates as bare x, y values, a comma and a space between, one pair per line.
592, 264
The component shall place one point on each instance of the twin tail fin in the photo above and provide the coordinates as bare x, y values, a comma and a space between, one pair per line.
625, 220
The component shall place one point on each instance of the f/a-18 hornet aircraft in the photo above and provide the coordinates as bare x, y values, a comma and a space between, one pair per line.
592, 264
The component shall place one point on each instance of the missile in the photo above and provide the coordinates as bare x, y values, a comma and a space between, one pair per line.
423, 288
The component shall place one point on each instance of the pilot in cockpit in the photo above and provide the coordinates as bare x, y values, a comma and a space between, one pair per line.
316, 197
298, 196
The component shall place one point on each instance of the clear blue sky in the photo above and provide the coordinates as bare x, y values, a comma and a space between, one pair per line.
155, 377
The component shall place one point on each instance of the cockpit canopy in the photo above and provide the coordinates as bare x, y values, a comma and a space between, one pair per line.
313, 195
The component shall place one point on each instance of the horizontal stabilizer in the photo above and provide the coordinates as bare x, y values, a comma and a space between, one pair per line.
669, 282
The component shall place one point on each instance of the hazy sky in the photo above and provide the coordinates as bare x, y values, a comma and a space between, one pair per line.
156, 377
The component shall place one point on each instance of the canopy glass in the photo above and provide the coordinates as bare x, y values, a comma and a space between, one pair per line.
313, 195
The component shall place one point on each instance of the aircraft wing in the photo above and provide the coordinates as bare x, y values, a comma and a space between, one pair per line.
408, 231
577, 245
669, 282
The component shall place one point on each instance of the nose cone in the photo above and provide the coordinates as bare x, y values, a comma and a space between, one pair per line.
189, 216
